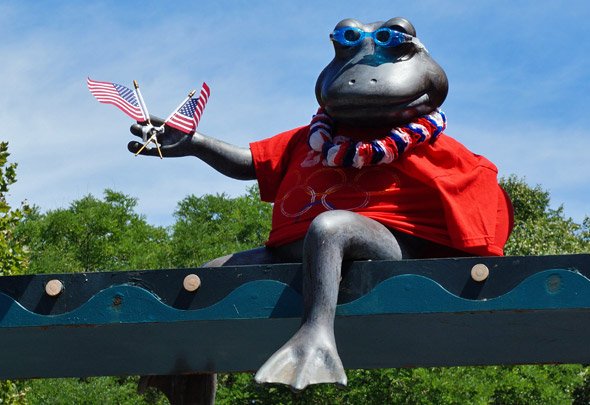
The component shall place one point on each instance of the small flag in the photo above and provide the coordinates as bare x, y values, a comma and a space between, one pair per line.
117, 95
186, 118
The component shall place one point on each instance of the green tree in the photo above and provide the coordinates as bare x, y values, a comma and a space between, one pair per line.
216, 225
90, 391
12, 256
540, 229
93, 234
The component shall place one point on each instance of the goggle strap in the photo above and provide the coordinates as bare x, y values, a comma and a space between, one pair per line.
418, 44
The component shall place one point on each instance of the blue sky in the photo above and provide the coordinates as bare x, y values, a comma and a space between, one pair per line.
519, 75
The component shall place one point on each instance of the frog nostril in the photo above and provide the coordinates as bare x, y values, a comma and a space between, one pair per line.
373, 81
351, 82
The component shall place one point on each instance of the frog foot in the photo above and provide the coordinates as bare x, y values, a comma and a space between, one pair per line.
309, 357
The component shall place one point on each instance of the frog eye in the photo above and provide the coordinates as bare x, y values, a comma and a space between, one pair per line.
390, 38
351, 35
348, 36
383, 36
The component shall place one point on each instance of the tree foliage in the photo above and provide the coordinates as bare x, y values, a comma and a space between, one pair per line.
496, 385
98, 391
216, 225
540, 229
93, 234
12, 255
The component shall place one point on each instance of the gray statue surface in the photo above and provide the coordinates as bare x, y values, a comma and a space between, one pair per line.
379, 100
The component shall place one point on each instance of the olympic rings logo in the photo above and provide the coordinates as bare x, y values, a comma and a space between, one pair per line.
341, 194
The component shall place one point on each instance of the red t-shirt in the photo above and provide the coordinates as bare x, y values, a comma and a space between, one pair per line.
440, 192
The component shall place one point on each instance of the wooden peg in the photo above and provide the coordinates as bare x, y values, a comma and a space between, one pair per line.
191, 283
480, 272
54, 287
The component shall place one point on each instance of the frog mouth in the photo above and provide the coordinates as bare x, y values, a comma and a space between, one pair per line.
422, 99
378, 104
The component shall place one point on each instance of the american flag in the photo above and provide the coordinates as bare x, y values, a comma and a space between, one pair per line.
186, 118
117, 95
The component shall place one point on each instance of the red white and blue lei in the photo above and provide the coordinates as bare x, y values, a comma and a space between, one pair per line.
341, 151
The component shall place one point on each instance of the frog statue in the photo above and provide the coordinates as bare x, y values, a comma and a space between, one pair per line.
372, 177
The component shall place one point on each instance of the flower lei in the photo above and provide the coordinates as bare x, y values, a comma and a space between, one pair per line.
345, 152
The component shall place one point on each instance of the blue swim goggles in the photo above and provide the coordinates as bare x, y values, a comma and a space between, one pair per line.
386, 37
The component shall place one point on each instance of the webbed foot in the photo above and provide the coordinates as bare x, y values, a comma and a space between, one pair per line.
309, 357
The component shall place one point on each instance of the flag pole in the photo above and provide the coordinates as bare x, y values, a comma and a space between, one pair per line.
142, 104
144, 109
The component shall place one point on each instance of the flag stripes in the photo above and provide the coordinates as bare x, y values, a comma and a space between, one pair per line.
117, 95
203, 98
